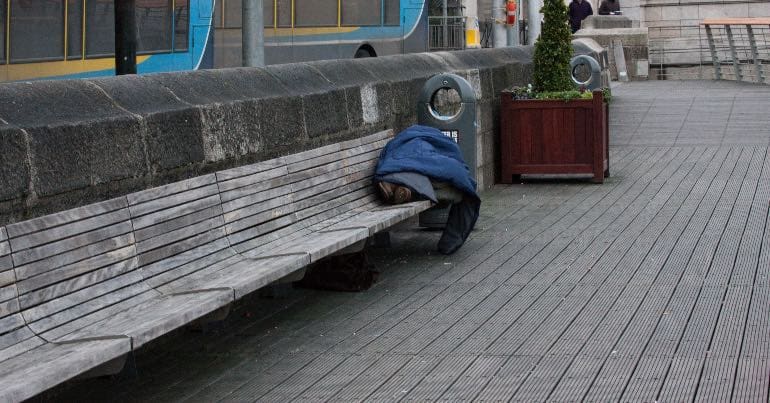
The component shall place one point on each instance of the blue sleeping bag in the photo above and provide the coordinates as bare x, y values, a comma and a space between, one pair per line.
426, 151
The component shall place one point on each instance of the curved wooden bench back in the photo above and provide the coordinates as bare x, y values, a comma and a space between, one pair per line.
179, 229
276, 201
71, 267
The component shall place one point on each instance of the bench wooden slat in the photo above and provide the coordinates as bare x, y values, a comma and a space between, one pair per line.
10, 305
161, 315
378, 220
28, 374
245, 276
85, 254
181, 228
5, 247
183, 264
147, 196
74, 320
175, 217
311, 154
43, 288
176, 197
18, 340
341, 156
201, 268
73, 244
319, 246
178, 236
37, 310
74, 265
259, 212
247, 170
78, 214
278, 238
7, 278
239, 186
188, 244
65, 232
249, 215
243, 229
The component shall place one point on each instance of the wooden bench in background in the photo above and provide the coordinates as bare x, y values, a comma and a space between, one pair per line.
82, 289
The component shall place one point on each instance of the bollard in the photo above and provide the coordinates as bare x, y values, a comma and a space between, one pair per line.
461, 127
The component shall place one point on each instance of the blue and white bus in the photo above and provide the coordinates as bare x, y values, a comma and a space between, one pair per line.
303, 30
75, 38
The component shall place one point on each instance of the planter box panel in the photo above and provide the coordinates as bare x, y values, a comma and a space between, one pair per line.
554, 137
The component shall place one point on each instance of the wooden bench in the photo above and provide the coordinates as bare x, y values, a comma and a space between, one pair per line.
81, 289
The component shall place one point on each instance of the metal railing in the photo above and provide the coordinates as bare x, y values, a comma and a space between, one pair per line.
446, 33
729, 49
739, 48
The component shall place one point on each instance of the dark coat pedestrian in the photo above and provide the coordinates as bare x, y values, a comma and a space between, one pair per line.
609, 7
578, 11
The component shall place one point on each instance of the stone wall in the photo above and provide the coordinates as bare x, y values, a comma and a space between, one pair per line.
68, 143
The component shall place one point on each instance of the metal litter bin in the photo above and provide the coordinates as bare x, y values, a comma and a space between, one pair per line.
460, 126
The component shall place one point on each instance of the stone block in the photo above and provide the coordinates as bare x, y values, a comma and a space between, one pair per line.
44, 103
721, 10
139, 94
325, 113
14, 166
606, 22
300, 78
344, 72
247, 129
70, 156
204, 87
174, 138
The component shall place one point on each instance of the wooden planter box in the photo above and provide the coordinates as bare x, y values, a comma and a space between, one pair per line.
554, 137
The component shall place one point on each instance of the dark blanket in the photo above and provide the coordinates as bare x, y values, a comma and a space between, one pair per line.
424, 150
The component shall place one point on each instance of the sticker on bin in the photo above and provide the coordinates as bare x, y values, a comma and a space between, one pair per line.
452, 134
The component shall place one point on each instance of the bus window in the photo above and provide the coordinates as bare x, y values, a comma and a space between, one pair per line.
284, 13
181, 25
100, 28
392, 12
36, 30
74, 29
153, 26
268, 13
358, 13
315, 13
2, 33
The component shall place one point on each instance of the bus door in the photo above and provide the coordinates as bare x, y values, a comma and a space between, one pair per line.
415, 35
202, 34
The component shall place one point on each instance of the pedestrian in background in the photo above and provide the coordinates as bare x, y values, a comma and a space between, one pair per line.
578, 11
608, 7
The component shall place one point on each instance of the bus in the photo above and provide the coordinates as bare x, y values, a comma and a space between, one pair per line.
304, 30
76, 39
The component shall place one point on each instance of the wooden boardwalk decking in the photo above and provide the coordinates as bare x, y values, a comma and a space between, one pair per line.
654, 286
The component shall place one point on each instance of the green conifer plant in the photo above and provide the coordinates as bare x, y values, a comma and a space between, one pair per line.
553, 50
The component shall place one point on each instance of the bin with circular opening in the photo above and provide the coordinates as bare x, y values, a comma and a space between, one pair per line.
448, 103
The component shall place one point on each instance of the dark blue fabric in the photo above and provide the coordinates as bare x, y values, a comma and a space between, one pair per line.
426, 151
